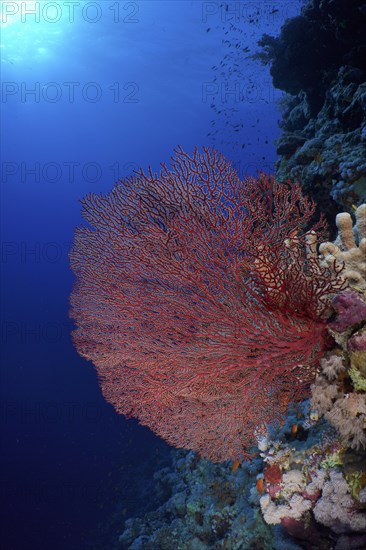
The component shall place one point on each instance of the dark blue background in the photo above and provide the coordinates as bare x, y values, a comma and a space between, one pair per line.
67, 458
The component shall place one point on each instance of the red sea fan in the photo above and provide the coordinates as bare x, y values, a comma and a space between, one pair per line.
197, 303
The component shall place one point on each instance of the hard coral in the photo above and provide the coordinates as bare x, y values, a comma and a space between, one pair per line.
349, 248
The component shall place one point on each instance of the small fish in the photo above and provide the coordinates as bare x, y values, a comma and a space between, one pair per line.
294, 429
235, 465
259, 485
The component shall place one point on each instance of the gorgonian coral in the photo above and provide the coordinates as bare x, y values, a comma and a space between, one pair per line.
200, 300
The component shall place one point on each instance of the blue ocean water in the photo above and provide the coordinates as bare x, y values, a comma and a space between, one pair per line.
90, 92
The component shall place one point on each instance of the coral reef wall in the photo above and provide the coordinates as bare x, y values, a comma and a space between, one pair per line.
319, 60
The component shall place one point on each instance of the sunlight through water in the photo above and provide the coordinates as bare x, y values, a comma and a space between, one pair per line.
32, 30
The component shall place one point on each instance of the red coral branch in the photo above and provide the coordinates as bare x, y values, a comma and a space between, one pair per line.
197, 303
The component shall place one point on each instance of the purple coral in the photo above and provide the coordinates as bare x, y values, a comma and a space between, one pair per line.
358, 341
350, 310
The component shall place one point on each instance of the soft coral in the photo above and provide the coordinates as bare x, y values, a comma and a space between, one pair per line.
197, 303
